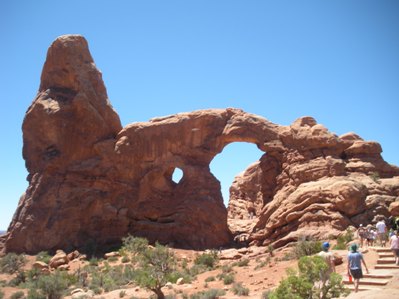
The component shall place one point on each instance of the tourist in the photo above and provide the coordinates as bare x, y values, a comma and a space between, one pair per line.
394, 244
362, 233
355, 260
329, 259
381, 232
371, 235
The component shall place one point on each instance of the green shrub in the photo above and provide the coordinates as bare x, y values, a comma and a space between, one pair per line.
240, 290
209, 294
113, 259
93, 261
262, 263
53, 286
43, 256
17, 295
207, 259
266, 294
304, 285
135, 244
11, 263
344, 239
35, 294
242, 263
270, 249
306, 247
210, 278
228, 278
227, 268
1, 294
18, 279
125, 259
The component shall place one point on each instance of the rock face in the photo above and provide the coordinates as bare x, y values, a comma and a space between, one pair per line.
92, 182
313, 183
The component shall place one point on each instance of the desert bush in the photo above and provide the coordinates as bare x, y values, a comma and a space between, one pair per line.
270, 249
111, 278
306, 247
262, 263
227, 268
207, 259
94, 261
240, 290
135, 244
53, 286
242, 263
18, 295
1, 294
43, 256
209, 294
266, 294
18, 279
122, 294
125, 259
11, 263
228, 278
113, 259
303, 285
210, 278
35, 294
344, 239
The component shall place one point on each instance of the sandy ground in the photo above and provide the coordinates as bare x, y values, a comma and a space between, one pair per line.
257, 279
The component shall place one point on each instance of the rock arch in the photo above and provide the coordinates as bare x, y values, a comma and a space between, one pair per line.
91, 179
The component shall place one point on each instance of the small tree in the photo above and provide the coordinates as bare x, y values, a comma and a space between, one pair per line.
304, 285
155, 267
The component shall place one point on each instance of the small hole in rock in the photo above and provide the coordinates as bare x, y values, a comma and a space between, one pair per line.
177, 175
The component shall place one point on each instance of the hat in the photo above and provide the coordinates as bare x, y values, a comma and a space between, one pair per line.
353, 247
326, 245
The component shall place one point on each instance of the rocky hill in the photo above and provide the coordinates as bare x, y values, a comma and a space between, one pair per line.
92, 182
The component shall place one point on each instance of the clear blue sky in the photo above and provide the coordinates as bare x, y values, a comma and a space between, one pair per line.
337, 61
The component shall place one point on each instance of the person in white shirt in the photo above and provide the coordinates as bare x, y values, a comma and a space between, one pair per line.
394, 243
381, 232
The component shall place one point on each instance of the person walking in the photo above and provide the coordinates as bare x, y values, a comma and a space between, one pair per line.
381, 232
328, 257
355, 260
362, 233
394, 244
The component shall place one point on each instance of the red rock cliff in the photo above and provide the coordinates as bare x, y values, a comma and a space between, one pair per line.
93, 182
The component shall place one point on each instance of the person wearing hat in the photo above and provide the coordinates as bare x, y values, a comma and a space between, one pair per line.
329, 259
355, 260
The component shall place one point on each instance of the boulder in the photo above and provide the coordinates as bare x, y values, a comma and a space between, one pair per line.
73, 255
394, 208
111, 254
180, 281
39, 265
59, 259
230, 254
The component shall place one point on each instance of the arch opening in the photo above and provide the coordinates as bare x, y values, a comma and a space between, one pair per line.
235, 158
177, 175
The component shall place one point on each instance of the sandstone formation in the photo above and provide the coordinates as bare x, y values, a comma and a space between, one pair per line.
92, 182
